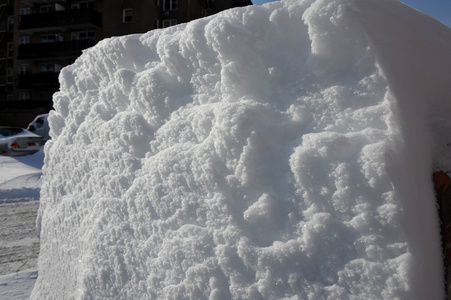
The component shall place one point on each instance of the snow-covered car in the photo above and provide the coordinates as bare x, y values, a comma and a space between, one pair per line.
16, 141
40, 126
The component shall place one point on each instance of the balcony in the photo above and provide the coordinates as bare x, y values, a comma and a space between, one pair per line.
32, 2
71, 49
70, 19
37, 80
6, 35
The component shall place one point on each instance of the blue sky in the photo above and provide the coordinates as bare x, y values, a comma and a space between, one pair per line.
439, 9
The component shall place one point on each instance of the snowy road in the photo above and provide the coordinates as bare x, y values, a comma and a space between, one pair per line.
19, 245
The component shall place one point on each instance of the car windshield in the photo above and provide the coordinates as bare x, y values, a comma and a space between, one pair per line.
9, 131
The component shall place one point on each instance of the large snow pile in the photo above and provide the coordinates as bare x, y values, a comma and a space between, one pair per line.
268, 152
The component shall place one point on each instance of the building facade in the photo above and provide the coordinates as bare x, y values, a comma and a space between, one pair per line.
39, 37
6, 49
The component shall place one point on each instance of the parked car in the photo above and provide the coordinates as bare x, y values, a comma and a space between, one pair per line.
40, 126
16, 141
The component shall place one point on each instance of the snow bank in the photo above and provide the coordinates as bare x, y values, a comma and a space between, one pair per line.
17, 286
268, 152
20, 177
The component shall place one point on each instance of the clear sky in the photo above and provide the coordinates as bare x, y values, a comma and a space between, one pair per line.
438, 9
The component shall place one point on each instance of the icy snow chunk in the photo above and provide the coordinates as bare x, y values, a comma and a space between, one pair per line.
261, 153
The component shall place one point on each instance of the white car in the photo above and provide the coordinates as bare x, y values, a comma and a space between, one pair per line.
40, 126
16, 141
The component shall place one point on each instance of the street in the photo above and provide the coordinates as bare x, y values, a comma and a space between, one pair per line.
19, 243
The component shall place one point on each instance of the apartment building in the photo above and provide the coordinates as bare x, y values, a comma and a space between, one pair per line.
39, 37
6, 48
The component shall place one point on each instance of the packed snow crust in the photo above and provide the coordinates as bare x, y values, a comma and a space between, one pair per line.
282, 151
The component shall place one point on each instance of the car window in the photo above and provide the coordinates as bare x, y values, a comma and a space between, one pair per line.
40, 122
9, 131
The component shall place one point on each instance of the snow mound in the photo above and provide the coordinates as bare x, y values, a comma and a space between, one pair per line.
267, 152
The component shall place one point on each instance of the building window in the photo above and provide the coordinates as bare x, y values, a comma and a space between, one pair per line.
10, 23
82, 5
51, 38
25, 39
46, 8
10, 50
83, 35
168, 23
25, 11
47, 38
49, 67
24, 68
9, 78
46, 67
170, 4
127, 15
51, 7
24, 96
46, 95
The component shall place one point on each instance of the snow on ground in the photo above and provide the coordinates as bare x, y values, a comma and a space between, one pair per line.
269, 152
20, 176
19, 201
18, 286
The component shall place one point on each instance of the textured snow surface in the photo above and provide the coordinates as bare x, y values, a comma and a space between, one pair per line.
282, 151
